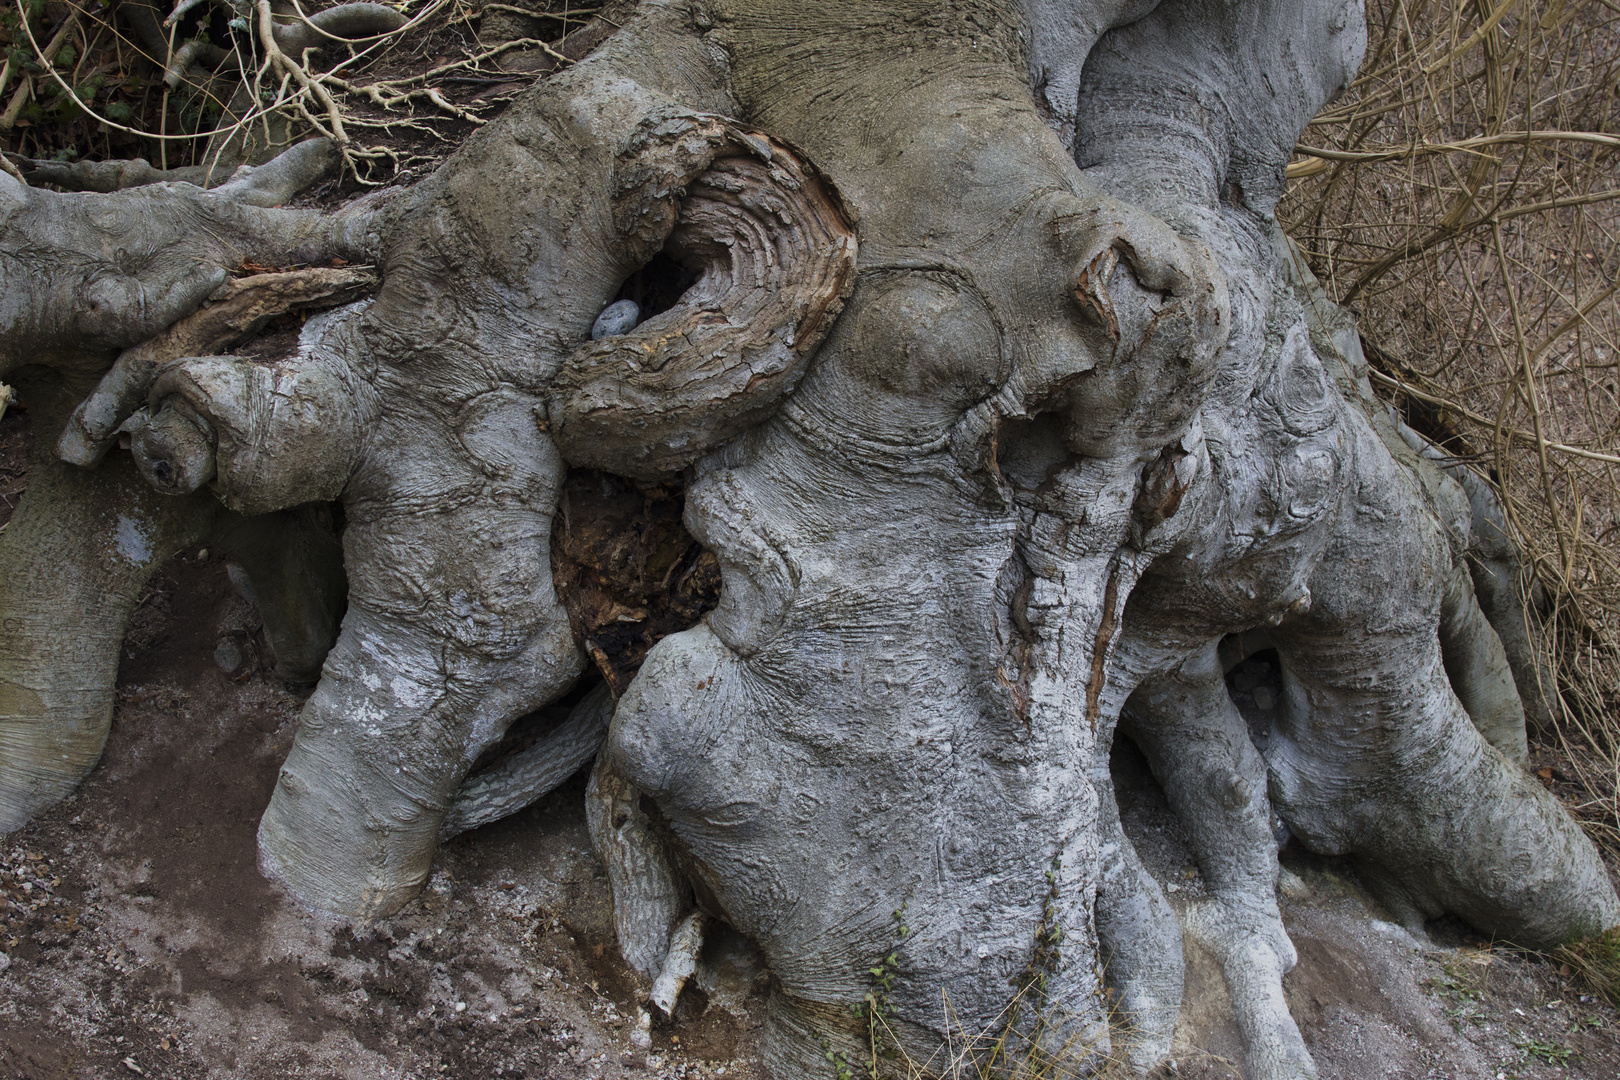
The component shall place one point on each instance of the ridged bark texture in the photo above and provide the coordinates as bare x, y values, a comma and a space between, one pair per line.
429, 418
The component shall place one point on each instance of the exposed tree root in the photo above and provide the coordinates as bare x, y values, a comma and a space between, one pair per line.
1138, 938
106, 176
60, 667
649, 894
685, 945
530, 775
238, 308
1072, 434
74, 561
345, 24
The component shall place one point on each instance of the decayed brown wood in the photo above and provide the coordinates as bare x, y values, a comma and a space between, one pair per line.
626, 569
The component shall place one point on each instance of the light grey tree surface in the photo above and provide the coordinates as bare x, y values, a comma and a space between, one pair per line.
85, 275
1006, 410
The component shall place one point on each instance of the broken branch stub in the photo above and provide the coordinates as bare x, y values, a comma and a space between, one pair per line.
776, 258
685, 946
240, 307
240, 426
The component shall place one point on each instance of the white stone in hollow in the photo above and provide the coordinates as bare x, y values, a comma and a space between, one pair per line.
617, 318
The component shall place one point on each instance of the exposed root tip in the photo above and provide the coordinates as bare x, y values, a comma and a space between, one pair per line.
685, 945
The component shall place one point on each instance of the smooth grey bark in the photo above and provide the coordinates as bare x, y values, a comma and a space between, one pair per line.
82, 276
74, 561
1504, 599
1338, 535
650, 893
1082, 418
425, 411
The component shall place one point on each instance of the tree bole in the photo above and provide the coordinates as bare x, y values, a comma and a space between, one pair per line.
1000, 404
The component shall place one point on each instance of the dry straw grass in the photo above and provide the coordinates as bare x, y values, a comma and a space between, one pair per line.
184, 82
1023, 1043
1462, 198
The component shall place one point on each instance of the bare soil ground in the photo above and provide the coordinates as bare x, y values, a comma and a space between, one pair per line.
138, 937
1373, 1001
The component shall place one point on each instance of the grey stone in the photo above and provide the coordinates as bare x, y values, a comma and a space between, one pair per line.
619, 317
228, 655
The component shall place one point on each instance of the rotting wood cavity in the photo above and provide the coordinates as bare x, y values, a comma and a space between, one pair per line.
659, 285
751, 275
626, 569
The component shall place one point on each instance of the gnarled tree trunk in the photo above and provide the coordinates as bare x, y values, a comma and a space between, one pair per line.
999, 400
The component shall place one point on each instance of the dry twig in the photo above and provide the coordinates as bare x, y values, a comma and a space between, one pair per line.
1463, 196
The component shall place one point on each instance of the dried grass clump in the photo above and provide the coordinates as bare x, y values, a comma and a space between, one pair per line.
217, 83
1464, 199
1596, 961
1014, 1046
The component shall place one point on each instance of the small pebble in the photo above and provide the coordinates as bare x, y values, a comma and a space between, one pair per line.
228, 656
1264, 698
616, 318
5, 962
1292, 885
241, 583
641, 1034
461, 1006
